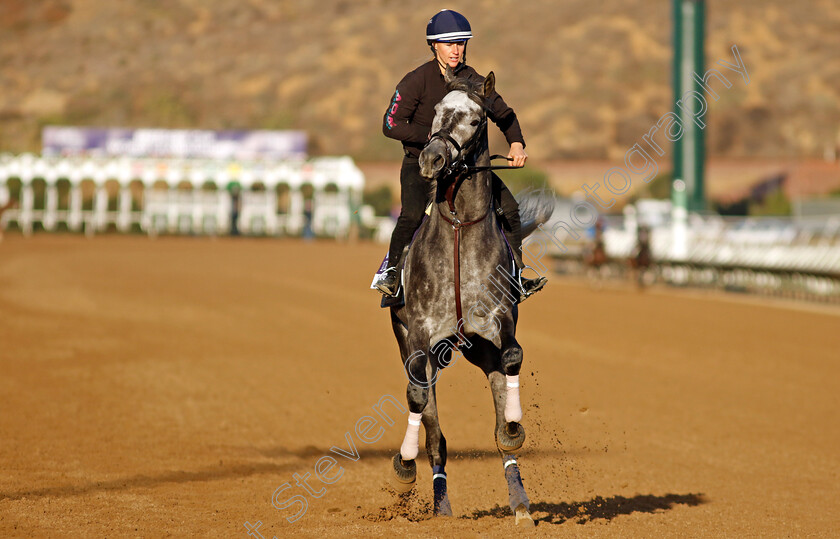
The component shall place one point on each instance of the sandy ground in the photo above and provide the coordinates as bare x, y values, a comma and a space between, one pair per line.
153, 388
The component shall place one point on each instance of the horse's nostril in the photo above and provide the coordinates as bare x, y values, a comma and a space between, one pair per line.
438, 161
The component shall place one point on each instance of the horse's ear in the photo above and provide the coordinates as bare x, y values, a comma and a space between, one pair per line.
489, 84
449, 75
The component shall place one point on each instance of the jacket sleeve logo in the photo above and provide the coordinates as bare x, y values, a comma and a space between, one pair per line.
395, 104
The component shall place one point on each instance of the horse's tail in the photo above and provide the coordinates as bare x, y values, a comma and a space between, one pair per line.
535, 208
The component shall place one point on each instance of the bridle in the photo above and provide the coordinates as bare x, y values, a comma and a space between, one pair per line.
459, 164
458, 168
461, 171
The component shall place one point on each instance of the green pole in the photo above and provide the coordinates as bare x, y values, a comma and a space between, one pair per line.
698, 195
689, 150
676, 81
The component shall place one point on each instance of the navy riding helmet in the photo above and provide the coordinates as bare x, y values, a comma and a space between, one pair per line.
448, 26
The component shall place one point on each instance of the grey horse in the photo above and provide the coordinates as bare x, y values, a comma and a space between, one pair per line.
459, 257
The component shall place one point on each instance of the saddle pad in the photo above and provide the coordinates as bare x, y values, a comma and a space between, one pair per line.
395, 301
380, 271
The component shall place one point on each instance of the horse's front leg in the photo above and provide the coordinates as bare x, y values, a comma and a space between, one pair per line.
436, 450
422, 374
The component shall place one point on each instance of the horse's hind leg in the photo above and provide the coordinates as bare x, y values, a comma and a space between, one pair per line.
436, 450
517, 496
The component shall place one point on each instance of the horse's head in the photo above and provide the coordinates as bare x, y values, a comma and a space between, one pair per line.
460, 118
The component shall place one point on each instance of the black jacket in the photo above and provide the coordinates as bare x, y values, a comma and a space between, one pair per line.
412, 109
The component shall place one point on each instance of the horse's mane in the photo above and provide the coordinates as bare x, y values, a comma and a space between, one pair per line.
473, 89
464, 85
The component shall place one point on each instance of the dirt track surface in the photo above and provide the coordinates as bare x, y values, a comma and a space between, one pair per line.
168, 387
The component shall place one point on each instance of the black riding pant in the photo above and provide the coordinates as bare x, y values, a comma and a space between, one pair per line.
415, 195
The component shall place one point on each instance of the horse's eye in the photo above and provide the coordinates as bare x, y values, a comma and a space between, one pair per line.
474, 123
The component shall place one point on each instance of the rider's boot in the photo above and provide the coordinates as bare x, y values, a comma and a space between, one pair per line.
514, 236
389, 282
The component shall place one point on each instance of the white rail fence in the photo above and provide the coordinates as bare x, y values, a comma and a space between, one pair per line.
796, 257
179, 195
773, 244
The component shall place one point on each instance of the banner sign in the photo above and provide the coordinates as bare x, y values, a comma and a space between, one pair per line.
178, 143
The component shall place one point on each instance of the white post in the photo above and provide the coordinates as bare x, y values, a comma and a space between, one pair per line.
631, 221
294, 221
679, 222
27, 203
100, 210
51, 207
74, 220
270, 211
124, 216
318, 208
224, 204
199, 199
172, 207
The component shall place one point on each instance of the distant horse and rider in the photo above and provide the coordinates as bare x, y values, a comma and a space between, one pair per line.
461, 291
598, 263
641, 258
595, 255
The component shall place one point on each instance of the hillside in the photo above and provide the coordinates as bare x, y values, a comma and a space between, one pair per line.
587, 78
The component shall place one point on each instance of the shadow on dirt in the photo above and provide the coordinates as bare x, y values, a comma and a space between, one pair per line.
231, 471
144, 481
387, 453
598, 507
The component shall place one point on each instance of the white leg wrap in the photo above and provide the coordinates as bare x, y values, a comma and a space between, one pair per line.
513, 410
411, 442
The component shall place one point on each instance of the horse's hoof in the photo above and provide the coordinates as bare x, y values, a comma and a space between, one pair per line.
441, 499
510, 443
523, 517
444, 512
405, 474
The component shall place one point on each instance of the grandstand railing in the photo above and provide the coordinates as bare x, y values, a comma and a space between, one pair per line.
770, 255
186, 196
